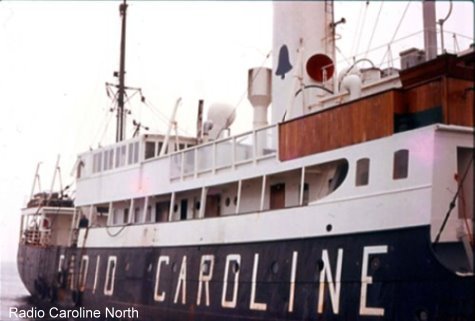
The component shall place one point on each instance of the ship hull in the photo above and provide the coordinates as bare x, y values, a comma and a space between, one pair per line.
385, 275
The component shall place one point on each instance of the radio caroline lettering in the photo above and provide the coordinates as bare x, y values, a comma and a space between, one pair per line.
78, 313
232, 282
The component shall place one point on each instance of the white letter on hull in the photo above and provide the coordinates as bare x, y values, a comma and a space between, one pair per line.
293, 272
236, 268
206, 266
160, 297
181, 283
333, 287
253, 305
366, 279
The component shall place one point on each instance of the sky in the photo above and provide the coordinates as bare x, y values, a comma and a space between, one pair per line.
55, 57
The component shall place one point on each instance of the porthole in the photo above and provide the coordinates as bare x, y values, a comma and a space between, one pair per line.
329, 228
235, 200
275, 267
198, 205
227, 201
175, 208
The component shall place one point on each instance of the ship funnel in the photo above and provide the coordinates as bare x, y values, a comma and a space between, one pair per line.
304, 47
259, 94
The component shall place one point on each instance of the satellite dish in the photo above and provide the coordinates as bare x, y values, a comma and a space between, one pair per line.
320, 67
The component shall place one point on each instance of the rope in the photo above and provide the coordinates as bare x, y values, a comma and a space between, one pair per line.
452, 203
117, 233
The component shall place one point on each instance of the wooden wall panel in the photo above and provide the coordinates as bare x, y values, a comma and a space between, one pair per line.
460, 103
359, 121
423, 97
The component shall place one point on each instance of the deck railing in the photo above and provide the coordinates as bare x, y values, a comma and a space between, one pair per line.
224, 154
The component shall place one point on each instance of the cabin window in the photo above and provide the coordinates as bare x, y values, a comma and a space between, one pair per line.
115, 216
126, 215
111, 158
131, 153
305, 196
148, 214
159, 149
106, 160
136, 152
79, 169
110, 275
149, 150
362, 172
117, 157
183, 209
136, 215
401, 164
161, 211
97, 163
123, 153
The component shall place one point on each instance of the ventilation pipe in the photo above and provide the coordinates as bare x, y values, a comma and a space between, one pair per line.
352, 83
259, 94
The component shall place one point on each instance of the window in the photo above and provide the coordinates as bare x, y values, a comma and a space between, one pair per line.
148, 214
362, 172
111, 158
136, 215
123, 152
136, 152
106, 160
117, 157
126, 215
131, 153
149, 150
401, 164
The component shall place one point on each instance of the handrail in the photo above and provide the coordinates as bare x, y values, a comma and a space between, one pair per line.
228, 152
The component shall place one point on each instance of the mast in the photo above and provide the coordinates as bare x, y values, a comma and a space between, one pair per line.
120, 130
430, 34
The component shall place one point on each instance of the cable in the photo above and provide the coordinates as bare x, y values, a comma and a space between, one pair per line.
356, 31
374, 29
452, 203
245, 92
362, 28
395, 32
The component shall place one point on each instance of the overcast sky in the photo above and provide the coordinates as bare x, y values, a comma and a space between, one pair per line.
56, 56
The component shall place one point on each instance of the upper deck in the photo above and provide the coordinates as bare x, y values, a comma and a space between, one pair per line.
439, 91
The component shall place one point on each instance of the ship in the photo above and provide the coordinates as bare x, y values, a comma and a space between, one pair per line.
354, 203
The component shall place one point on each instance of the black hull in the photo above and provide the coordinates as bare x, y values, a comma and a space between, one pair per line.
406, 281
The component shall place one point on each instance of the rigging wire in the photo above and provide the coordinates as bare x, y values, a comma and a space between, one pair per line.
452, 203
362, 28
374, 29
356, 30
244, 95
395, 32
